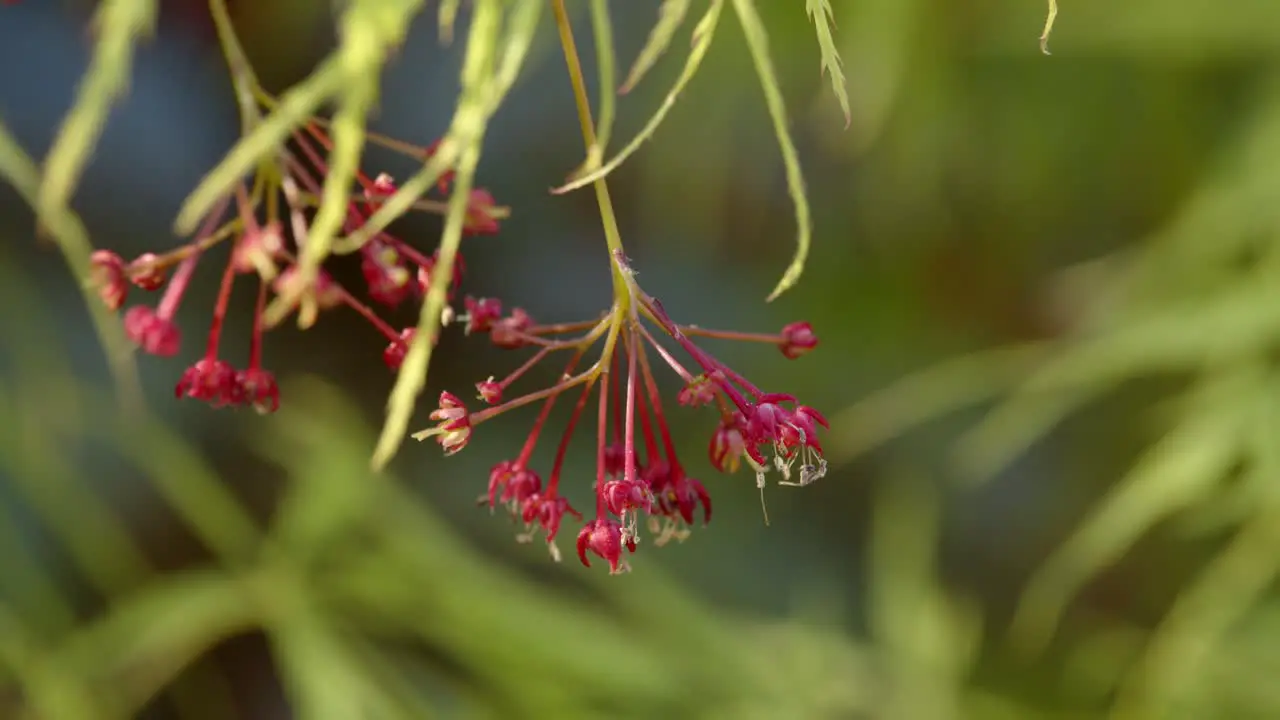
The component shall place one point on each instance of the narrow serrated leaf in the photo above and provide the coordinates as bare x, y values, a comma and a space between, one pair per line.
487, 73
822, 15
298, 104
758, 44
670, 17
1048, 26
702, 34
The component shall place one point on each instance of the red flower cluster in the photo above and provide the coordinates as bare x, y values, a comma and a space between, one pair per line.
394, 271
637, 471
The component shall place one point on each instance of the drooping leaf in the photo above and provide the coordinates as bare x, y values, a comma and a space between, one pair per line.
822, 16
1176, 472
298, 104
1048, 26
702, 35
121, 24
758, 45
670, 17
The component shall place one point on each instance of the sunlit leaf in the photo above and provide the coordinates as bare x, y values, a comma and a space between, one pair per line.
298, 104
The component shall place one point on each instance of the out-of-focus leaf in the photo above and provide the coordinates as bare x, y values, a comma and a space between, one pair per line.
146, 640
1181, 469
1224, 592
475, 108
50, 689
330, 491
96, 540
671, 15
927, 395
190, 487
120, 24
370, 30
73, 240
322, 677
927, 641
1238, 320
298, 104
448, 15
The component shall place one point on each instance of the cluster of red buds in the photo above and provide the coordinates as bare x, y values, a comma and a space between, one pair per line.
773, 432
267, 247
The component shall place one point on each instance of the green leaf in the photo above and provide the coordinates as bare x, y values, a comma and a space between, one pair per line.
121, 25
448, 15
702, 35
1179, 337
148, 639
602, 28
50, 689
369, 30
190, 487
1223, 594
297, 105
330, 488
1177, 472
758, 44
821, 14
72, 240
670, 17
471, 121
1048, 26
926, 395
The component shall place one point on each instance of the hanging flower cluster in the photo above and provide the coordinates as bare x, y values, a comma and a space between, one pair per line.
638, 474
264, 242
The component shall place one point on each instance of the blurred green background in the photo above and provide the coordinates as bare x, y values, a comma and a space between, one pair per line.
1049, 301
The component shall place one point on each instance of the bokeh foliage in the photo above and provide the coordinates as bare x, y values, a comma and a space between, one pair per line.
374, 605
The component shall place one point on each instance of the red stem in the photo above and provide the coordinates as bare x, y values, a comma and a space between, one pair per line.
670, 360
554, 482
561, 328
617, 400
255, 342
530, 442
629, 450
220, 309
602, 431
534, 360
656, 401
182, 276
650, 444
696, 331
488, 413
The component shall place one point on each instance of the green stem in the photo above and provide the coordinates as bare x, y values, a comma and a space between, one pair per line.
612, 237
